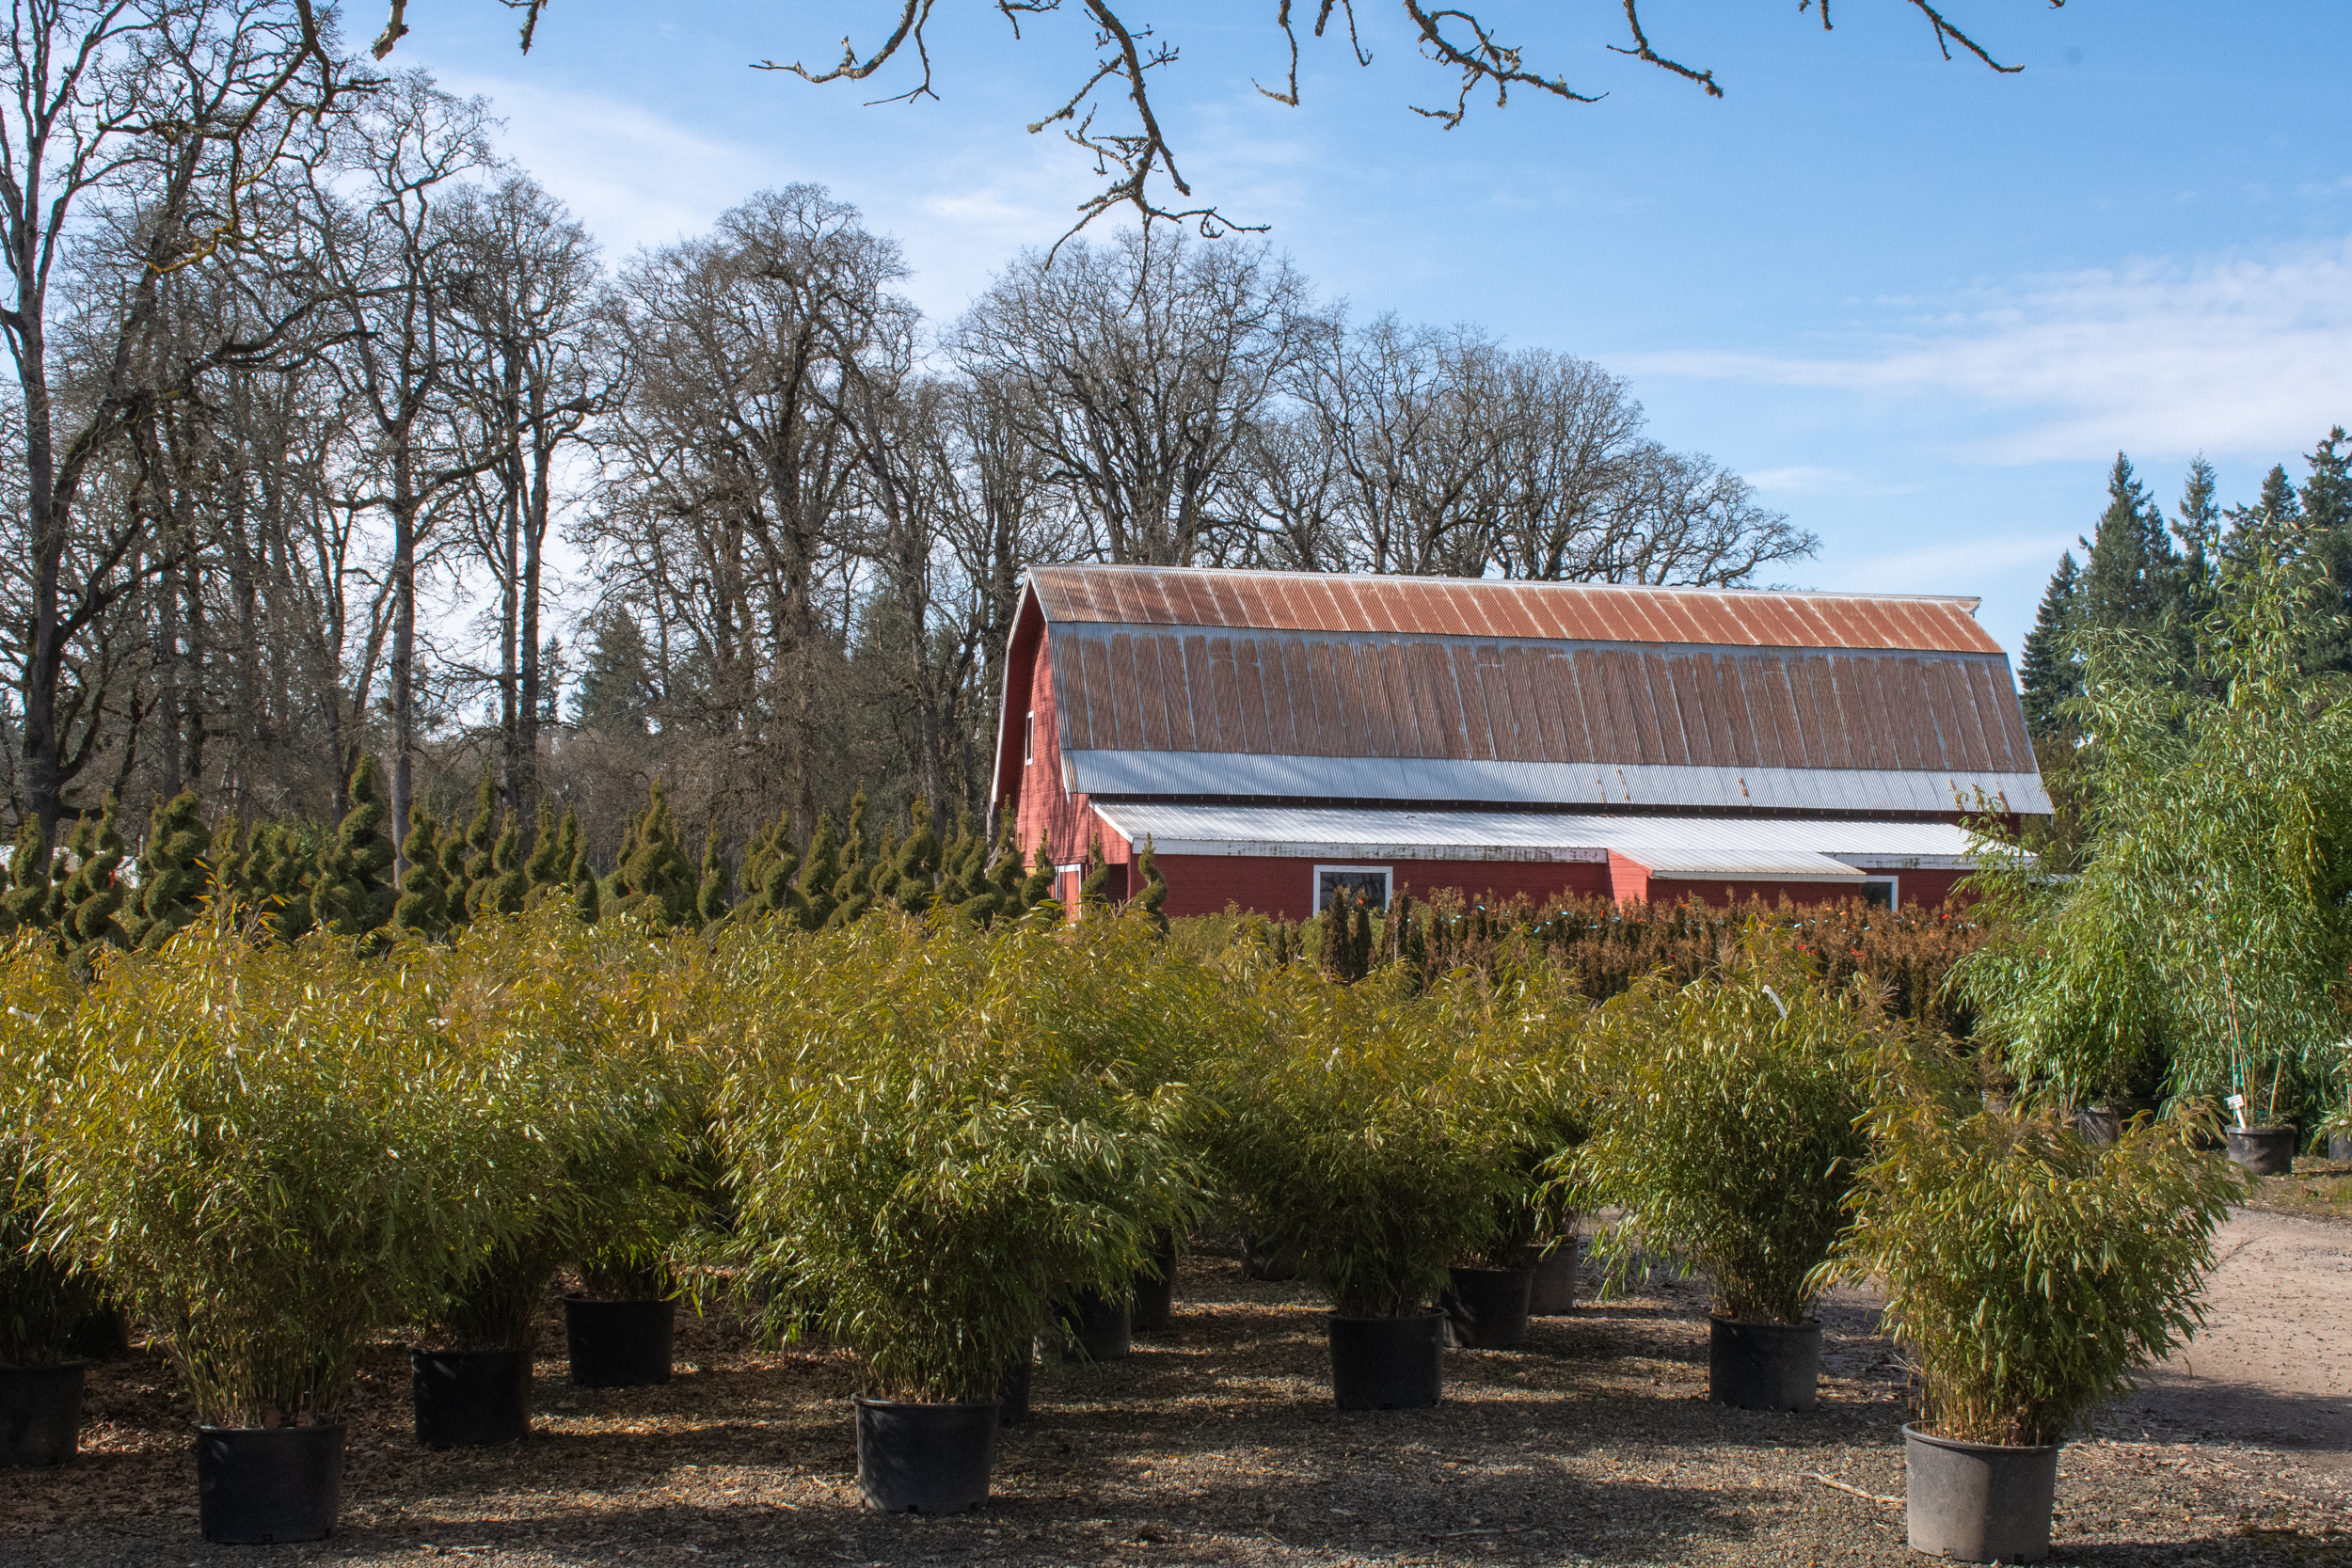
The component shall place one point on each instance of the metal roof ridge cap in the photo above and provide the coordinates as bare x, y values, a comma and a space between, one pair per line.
1968, 600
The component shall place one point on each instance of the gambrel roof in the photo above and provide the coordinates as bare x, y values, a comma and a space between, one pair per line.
1214, 684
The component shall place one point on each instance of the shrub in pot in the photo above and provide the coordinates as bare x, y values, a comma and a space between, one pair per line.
924, 1172
271, 1154
2027, 1273
1726, 1129
1372, 1131
43, 1299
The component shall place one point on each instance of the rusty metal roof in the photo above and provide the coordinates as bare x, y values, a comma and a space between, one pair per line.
1264, 693
1516, 612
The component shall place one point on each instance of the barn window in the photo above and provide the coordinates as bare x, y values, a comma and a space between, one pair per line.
1029, 741
1368, 884
1879, 892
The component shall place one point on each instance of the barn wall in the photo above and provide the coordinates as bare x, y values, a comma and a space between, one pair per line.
1065, 822
1925, 888
1204, 884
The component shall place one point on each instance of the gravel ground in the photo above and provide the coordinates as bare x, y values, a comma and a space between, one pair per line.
1217, 1444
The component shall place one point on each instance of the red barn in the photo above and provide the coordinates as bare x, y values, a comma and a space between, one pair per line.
1278, 735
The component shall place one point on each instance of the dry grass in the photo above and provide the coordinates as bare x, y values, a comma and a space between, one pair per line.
1214, 1444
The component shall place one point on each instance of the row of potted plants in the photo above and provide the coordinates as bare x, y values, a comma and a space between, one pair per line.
930, 1143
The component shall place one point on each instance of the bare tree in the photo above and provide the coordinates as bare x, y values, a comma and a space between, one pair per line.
1137, 370
88, 90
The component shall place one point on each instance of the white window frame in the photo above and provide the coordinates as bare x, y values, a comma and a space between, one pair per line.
1894, 888
1386, 872
1028, 739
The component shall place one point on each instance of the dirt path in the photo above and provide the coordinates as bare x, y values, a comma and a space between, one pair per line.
1217, 1444
2273, 1368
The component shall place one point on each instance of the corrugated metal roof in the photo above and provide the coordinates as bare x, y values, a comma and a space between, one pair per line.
1197, 773
1582, 705
1521, 611
1668, 844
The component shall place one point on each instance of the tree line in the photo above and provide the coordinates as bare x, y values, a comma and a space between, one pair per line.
318, 400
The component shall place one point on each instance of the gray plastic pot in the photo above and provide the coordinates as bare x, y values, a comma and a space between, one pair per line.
1763, 1365
923, 1458
2340, 1149
2262, 1150
1977, 1502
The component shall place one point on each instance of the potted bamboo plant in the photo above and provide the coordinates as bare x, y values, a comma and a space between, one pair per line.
42, 1298
924, 1172
2027, 1272
270, 1154
1371, 1130
1725, 1130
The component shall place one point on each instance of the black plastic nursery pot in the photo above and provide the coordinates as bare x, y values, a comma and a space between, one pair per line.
2340, 1149
1977, 1502
619, 1344
1275, 1265
1388, 1363
2262, 1150
1489, 1307
1097, 1328
924, 1458
1554, 1293
101, 1335
40, 1413
1763, 1365
1013, 1390
1155, 1288
256, 1485
471, 1399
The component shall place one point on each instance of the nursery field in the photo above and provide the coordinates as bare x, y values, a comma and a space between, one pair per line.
1217, 1443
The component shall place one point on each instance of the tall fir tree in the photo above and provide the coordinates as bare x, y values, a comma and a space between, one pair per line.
2131, 575
2050, 676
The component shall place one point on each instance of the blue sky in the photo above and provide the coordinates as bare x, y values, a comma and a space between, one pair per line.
1919, 304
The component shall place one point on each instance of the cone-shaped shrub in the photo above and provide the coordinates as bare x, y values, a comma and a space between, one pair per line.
424, 905
171, 873
353, 892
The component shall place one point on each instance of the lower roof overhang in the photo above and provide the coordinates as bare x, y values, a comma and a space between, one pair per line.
1763, 850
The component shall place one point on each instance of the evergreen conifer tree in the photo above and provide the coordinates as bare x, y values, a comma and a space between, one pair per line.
2049, 675
353, 892
587, 893
93, 893
1039, 889
813, 901
1358, 939
656, 881
279, 866
550, 860
1331, 943
768, 867
1154, 891
424, 903
914, 873
171, 873
711, 900
2131, 576
508, 886
1094, 889
481, 842
30, 884
850, 897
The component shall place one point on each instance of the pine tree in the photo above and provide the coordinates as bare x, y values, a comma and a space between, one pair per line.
2050, 676
2327, 498
615, 688
424, 903
353, 892
711, 900
171, 873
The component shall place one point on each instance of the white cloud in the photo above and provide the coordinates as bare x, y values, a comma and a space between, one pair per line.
2237, 356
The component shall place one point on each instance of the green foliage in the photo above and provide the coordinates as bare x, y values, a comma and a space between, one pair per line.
41, 1296
271, 1153
91, 895
813, 899
1379, 1133
279, 860
1726, 1128
2208, 918
711, 900
2027, 1270
32, 891
551, 849
481, 846
424, 903
353, 892
1154, 894
1094, 887
172, 873
923, 1166
770, 864
656, 882
914, 875
851, 893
